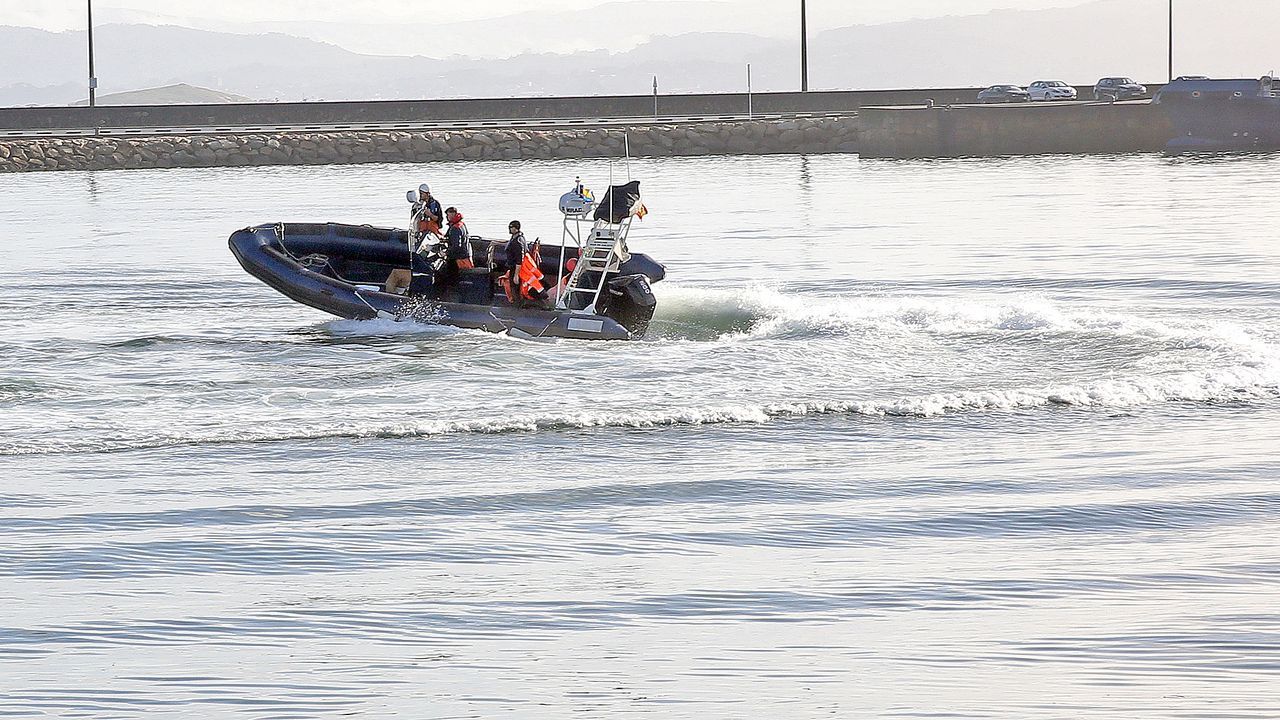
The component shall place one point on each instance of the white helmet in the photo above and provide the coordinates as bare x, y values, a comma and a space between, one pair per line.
425, 189
412, 196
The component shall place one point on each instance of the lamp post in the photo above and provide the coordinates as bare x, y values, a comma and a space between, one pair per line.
1170, 40
804, 48
93, 79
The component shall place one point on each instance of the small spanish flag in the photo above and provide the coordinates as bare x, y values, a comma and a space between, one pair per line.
639, 210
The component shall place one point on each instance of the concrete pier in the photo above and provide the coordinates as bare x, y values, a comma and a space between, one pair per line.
879, 132
1026, 129
471, 110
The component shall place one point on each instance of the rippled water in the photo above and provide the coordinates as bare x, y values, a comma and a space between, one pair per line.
987, 438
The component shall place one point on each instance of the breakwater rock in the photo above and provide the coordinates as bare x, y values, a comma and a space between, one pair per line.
801, 135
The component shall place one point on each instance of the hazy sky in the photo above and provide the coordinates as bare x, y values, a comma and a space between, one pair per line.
70, 14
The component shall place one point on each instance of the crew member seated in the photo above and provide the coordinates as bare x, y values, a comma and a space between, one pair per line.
458, 251
569, 266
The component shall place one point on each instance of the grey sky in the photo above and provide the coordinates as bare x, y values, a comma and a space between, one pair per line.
460, 55
70, 14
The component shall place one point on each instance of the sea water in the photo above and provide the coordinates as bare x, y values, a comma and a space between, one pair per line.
965, 438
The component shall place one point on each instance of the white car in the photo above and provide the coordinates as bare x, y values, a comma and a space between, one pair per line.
1051, 90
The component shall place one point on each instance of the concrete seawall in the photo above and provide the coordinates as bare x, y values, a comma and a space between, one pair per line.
472, 109
1036, 129
805, 135
903, 132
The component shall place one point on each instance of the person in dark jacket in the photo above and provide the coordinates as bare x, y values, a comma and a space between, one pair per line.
516, 249
458, 254
425, 222
427, 207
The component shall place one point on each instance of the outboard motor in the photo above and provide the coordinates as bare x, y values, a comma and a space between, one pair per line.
630, 301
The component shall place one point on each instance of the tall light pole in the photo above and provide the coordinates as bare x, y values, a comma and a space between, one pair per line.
1170, 40
93, 79
804, 49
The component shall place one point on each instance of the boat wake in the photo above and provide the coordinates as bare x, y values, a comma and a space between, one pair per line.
717, 356
766, 313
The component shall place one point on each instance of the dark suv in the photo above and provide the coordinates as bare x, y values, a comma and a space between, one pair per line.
1112, 89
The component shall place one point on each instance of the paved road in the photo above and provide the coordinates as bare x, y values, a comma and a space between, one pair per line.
404, 126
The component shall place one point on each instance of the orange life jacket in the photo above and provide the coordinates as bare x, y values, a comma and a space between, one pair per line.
530, 277
428, 226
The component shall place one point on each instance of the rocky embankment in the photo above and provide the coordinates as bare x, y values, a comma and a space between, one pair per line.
806, 135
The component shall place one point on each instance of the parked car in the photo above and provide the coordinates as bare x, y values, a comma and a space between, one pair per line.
1051, 90
1189, 78
1113, 89
1003, 94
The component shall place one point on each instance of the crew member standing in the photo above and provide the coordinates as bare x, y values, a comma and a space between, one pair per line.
428, 207
517, 246
425, 222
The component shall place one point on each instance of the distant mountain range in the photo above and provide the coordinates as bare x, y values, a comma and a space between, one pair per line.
180, 94
1077, 44
619, 25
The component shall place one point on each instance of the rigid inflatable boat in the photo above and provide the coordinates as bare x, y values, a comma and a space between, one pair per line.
604, 294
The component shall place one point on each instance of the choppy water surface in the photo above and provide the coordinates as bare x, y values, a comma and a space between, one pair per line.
952, 439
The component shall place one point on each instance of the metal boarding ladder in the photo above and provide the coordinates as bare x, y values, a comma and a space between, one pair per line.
603, 254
